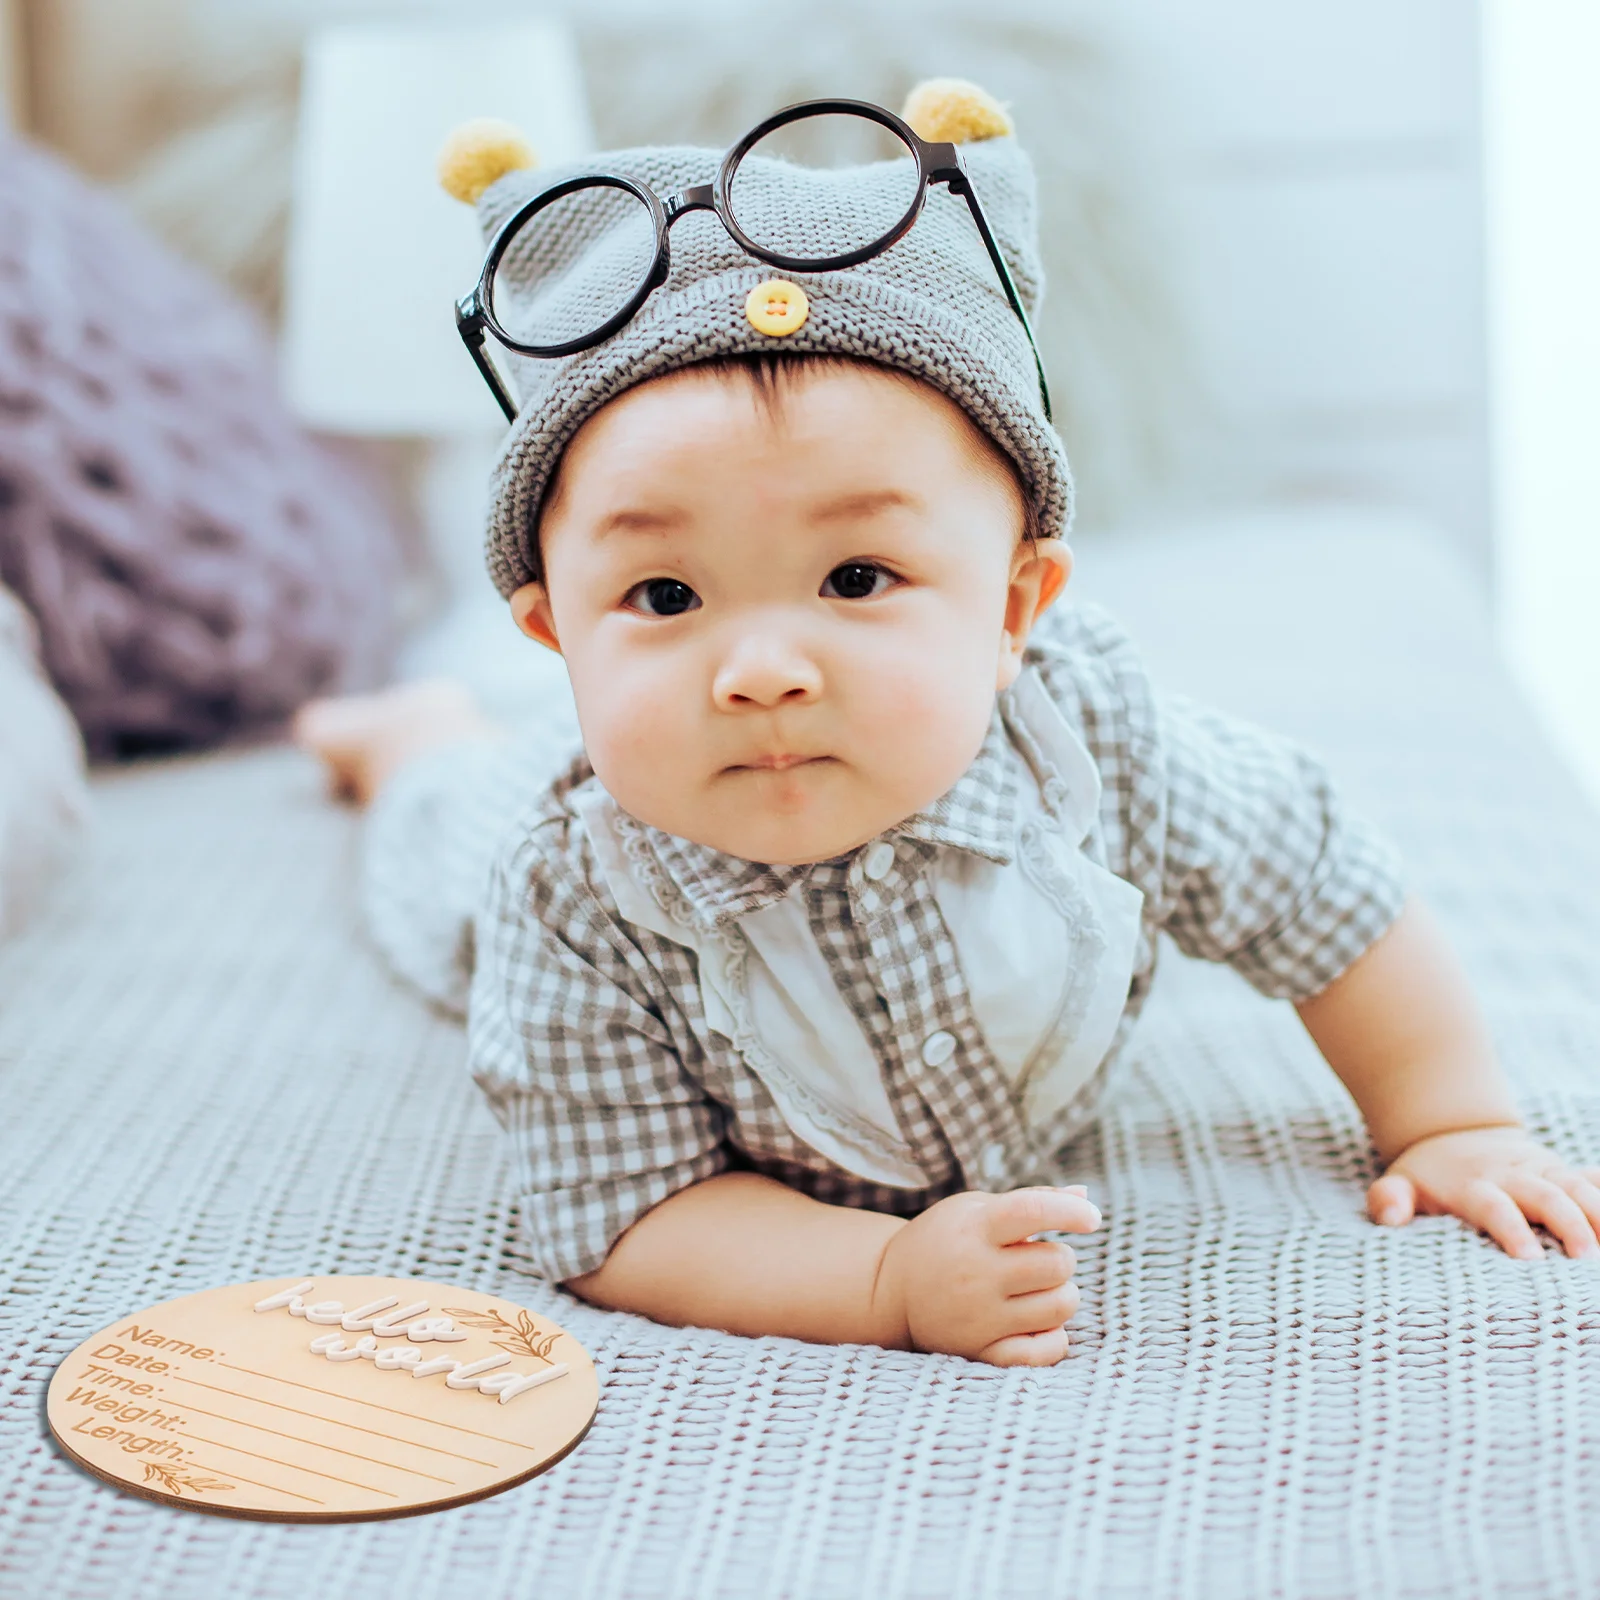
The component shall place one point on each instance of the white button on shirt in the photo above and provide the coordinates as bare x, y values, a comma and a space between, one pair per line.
879, 859
938, 1047
993, 1167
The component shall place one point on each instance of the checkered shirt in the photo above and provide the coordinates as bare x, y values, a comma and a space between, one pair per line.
588, 1033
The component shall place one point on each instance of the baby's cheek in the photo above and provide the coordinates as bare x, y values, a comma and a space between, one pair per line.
926, 721
635, 729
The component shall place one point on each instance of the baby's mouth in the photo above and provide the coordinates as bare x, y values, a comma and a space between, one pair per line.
775, 762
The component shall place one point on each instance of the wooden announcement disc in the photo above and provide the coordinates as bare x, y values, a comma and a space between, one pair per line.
324, 1399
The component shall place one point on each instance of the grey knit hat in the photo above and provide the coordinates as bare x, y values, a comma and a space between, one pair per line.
931, 305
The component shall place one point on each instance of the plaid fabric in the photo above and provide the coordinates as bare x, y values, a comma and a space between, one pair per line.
589, 1035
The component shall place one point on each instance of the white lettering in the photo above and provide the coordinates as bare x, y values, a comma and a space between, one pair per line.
362, 1317
416, 1327
430, 1369
366, 1346
276, 1302
412, 1322
392, 1324
467, 1377
508, 1385
427, 1329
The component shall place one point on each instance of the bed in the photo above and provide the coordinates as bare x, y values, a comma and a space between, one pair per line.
209, 1077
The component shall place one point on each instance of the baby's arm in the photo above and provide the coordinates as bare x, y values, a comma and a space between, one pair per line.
746, 1253
1403, 1032
1265, 869
627, 1192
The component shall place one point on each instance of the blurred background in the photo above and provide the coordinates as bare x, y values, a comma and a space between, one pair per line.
1297, 253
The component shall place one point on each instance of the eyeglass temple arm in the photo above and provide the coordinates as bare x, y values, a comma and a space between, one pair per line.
470, 325
949, 173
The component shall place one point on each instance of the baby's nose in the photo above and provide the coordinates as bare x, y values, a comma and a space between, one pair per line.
762, 670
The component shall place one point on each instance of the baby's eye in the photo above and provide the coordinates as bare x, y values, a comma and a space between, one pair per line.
661, 597
856, 580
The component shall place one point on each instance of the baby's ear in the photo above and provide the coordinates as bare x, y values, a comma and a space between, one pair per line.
530, 610
1038, 576
479, 153
953, 111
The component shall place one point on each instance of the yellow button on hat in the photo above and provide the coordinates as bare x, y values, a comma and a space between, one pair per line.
776, 307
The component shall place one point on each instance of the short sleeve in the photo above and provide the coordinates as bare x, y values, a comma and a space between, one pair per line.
577, 1064
1264, 867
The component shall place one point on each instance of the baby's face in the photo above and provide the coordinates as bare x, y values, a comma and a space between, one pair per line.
785, 630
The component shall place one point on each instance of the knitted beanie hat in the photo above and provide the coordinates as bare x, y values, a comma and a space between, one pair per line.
931, 305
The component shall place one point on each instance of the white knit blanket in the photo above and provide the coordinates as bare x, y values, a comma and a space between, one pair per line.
208, 1078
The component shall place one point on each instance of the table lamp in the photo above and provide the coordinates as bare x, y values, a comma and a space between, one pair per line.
378, 255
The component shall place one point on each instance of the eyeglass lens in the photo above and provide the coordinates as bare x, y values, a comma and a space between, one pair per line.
837, 217
537, 293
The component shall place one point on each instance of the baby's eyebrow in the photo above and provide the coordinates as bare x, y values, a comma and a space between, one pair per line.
635, 519
865, 503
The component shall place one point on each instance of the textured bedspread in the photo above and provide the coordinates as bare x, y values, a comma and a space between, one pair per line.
207, 1078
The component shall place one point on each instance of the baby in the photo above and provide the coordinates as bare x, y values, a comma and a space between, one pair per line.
793, 985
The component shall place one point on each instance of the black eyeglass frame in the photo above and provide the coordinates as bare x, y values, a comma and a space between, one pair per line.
936, 163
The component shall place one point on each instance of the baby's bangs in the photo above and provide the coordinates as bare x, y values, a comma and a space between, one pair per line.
773, 375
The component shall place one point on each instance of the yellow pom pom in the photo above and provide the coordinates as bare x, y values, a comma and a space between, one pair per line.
478, 153
953, 111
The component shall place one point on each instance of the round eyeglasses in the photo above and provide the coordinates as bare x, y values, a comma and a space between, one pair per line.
620, 228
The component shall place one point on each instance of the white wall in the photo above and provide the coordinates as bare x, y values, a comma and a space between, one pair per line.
1326, 160
1543, 129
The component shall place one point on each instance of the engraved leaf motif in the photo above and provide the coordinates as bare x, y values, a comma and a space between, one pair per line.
520, 1338
476, 1319
175, 1480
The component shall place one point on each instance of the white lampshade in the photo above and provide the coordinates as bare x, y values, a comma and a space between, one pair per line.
378, 253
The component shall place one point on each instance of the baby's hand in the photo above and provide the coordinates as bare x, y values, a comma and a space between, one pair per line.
969, 1282
1499, 1180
